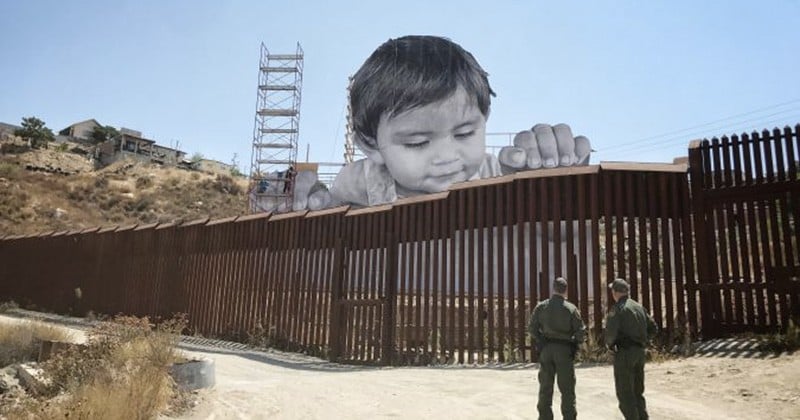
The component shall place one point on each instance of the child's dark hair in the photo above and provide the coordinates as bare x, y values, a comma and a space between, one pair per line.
410, 72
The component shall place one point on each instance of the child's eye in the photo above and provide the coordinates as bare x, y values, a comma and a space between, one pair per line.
417, 145
466, 135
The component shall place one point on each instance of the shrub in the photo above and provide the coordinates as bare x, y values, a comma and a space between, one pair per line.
12, 204
9, 170
143, 182
7, 306
785, 342
140, 205
101, 182
110, 202
13, 148
20, 342
122, 373
227, 185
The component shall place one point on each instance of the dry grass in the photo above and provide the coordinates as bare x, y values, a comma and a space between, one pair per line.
9, 170
122, 373
20, 342
123, 193
592, 350
788, 341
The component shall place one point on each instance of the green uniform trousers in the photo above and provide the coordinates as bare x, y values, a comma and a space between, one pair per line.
629, 382
555, 362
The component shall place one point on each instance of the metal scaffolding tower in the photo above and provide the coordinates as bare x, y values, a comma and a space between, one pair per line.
277, 124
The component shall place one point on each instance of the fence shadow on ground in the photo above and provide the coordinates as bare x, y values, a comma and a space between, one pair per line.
735, 348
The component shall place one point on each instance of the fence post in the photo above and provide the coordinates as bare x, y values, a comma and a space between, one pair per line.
390, 305
337, 332
702, 243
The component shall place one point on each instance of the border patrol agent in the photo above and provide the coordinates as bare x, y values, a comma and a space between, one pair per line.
557, 331
628, 330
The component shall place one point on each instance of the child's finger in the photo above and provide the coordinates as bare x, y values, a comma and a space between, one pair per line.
525, 139
547, 145
513, 157
582, 150
565, 143
534, 158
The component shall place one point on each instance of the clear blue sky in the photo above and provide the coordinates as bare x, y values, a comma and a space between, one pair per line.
635, 77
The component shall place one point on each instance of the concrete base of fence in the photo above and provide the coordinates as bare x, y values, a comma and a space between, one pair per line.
193, 374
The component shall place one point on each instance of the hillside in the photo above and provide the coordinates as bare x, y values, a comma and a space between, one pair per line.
58, 189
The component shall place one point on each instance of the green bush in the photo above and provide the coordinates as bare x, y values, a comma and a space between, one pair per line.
9, 170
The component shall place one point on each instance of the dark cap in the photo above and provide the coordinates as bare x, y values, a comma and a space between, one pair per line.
619, 285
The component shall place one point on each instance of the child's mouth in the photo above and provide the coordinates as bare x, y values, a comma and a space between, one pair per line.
449, 177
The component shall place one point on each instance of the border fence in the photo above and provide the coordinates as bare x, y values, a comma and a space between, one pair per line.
453, 276
745, 192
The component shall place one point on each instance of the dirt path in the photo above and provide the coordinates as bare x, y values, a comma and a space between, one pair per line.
727, 382
278, 385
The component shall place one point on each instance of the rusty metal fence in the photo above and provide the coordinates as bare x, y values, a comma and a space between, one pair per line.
746, 191
452, 276
448, 277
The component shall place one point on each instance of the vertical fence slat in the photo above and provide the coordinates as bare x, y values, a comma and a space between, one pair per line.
312, 279
405, 271
491, 280
419, 249
567, 218
654, 254
782, 141
469, 273
583, 273
623, 223
390, 313
533, 252
643, 280
436, 278
597, 285
510, 268
667, 244
545, 234
522, 309
501, 278
462, 273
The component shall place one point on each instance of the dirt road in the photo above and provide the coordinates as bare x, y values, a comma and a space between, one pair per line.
251, 385
728, 381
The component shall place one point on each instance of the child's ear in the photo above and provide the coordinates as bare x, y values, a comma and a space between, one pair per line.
370, 148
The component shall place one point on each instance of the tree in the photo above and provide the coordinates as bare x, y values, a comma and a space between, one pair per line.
34, 131
101, 134
197, 157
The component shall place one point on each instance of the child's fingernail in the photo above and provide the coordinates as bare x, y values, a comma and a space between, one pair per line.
566, 160
550, 163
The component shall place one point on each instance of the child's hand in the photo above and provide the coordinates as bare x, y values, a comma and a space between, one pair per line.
309, 193
545, 146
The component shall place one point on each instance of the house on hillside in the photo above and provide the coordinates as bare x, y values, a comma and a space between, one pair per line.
167, 155
81, 130
131, 145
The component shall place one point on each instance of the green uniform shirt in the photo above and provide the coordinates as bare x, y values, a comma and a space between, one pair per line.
629, 324
555, 318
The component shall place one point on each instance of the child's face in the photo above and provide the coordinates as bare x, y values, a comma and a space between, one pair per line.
429, 148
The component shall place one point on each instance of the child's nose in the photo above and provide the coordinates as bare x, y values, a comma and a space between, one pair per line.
446, 151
